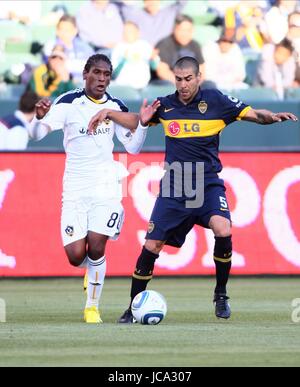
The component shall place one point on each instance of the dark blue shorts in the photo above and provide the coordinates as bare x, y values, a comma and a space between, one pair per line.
171, 221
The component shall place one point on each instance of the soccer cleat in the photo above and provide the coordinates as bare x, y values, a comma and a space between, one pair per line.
127, 318
85, 281
222, 306
92, 316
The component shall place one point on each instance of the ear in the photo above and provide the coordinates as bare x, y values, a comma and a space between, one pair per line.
199, 77
84, 75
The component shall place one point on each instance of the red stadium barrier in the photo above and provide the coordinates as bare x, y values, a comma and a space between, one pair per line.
263, 191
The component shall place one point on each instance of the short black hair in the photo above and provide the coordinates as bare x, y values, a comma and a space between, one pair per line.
27, 101
94, 59
183, 18
286, 43
68, 18
187, 62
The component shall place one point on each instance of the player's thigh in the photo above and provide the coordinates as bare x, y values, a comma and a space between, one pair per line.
215, 212
167, 219
106, 219
73, 223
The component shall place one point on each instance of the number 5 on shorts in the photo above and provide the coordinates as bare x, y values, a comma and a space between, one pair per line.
223, 202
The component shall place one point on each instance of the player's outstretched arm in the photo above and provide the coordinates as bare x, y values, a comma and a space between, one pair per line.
265, 117
126, 120
134, 143
38, 130
148, 111
42, 108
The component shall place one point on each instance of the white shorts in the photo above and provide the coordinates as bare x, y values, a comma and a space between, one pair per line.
83, 215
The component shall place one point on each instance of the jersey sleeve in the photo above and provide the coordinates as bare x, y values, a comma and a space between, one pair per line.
133, 142
232, 109
56, 117
155, 120
54, 120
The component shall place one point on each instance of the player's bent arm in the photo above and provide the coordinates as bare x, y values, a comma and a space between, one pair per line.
127, 120
48, 118
133, 142
124, 119
38, 130
266, 117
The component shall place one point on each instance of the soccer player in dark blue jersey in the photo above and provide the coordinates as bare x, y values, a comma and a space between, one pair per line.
193, 120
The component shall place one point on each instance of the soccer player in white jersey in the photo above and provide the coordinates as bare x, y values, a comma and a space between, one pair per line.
92, 211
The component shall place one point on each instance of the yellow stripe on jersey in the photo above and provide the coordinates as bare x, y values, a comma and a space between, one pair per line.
243, 113
192, 128
97, 101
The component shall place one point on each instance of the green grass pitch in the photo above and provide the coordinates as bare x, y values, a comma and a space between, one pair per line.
44, 326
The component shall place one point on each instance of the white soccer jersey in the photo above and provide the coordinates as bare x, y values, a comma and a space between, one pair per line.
90, 168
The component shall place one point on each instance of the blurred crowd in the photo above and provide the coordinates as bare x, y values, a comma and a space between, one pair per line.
256, 43
144, 39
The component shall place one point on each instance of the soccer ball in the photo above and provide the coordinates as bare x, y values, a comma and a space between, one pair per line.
149, 307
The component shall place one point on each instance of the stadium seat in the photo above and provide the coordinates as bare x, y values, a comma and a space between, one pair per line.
73, 6
10, 59
206, 33
292, 94
17, 47
256, 94
42, 33
13, 31
151, 92
251, 71
7, 106
12, 92
124, 92
196, 9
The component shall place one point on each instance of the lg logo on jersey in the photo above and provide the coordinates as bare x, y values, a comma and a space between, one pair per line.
175, 128
6, 177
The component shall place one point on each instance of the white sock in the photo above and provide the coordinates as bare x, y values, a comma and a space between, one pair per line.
96, 276
84, 264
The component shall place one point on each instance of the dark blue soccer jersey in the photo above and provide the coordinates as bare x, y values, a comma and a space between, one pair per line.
192, 131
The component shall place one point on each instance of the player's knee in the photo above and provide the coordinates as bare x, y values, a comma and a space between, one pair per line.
76, 260
76, 253
96, 252
221, 227
222, 232
154, 247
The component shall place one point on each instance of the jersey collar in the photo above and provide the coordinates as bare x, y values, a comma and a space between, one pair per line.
197, 98
97, 101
